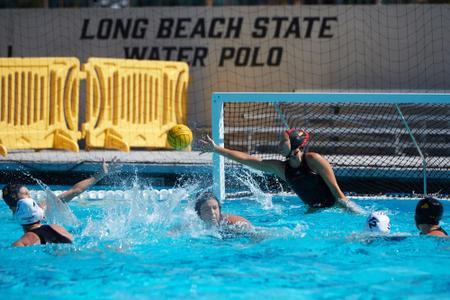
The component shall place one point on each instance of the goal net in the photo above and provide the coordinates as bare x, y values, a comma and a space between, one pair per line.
378, 143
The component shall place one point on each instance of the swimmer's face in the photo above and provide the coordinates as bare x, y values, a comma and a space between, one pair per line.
210, 212
296, 154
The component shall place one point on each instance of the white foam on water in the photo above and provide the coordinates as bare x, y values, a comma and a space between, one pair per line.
246, 178
137, 215
57, 212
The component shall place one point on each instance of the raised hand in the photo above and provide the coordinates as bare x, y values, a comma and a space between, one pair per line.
207, 145
108, 168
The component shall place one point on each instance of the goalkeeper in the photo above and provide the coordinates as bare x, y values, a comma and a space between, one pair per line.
309, 174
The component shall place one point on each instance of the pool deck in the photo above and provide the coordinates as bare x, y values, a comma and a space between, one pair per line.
147, 162
165, 168
143, 162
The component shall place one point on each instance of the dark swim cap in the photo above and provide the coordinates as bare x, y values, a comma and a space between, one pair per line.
298, 138
429, 211
10, 192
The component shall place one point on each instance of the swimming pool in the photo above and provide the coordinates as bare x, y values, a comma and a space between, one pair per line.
127, 248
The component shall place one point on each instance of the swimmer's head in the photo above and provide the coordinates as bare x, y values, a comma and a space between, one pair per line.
428, 211
12, 193
298, 138
378, 222
292, 140
28, 212
208, 208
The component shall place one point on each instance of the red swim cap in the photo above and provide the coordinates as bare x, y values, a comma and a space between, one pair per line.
298, 138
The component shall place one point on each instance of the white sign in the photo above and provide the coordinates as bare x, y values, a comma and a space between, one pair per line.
257, 48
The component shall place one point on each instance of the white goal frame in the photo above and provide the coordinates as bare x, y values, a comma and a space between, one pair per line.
217, 111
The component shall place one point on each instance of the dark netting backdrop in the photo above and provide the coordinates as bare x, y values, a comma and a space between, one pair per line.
368, 145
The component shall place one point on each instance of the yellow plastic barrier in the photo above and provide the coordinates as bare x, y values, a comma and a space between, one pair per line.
133, 103
39, 103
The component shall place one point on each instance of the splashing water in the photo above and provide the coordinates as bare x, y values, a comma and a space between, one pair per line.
246, 178
152, 213
56, 212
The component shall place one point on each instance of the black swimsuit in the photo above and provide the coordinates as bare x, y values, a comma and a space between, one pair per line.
308, 185
48, 235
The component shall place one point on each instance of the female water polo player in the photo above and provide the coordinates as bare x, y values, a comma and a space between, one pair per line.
377, 227
309, 174
13, 192
29, 215
429, 212
209, 210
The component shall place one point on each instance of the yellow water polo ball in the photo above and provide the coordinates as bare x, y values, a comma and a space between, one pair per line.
179, 137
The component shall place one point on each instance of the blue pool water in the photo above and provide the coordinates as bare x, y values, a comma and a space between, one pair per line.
150, 245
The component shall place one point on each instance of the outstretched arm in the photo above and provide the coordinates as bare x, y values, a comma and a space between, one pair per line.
269, 166
321, 166
83, 185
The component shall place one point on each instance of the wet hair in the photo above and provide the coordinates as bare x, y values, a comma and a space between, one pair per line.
202, 199
9, 194
429, 211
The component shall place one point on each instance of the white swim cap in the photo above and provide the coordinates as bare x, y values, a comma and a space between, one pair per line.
28, 212
378, 222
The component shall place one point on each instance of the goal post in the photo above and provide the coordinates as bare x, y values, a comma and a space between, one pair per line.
382, 142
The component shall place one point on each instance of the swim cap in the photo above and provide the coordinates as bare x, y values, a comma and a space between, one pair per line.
378, 222
298, 138
429, 211
28, 212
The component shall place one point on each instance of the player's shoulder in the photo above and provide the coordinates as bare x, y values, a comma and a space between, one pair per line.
438, 234
28, 239
233, 219
312, 155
